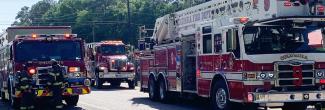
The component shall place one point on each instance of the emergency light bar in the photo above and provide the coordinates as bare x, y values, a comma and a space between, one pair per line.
45, 36
239, 20
113, 42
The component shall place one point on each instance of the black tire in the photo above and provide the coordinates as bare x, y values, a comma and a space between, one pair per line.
72, 100
99, 83
163, 96
131, 84
222, 103
115, 84
92, 83
152, 89
294, 106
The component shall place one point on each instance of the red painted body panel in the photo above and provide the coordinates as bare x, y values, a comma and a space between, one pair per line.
161, 58
204, 87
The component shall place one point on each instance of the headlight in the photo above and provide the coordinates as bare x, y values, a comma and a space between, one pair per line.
320, 74
102, 68
258, 76
131, 68
87, 82
271, 75
74, 69
262, 75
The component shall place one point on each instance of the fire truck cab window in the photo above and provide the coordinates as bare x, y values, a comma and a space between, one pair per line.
217, 43
233, 42
207, 44
276, 39
207, 29
207, 39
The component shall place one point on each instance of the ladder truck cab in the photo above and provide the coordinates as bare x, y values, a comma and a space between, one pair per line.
36, 53
109, 62
246, 52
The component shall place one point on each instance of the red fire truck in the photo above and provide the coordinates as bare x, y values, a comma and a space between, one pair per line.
109, 62
245, 52
38, 51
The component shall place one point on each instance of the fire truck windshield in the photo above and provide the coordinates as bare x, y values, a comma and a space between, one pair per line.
112, 49
276, 39
46, 51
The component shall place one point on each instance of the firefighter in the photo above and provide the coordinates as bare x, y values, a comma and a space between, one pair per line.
56, 84
25, 86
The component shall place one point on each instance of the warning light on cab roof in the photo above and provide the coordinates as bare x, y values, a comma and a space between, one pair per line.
113, 42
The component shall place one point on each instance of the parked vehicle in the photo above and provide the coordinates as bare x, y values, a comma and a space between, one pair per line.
38, 51
245, 52
109, 62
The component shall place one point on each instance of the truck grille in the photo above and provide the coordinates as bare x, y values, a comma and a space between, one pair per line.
118, 64
289, 73
43, 75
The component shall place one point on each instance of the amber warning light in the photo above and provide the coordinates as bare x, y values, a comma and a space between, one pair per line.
240, 20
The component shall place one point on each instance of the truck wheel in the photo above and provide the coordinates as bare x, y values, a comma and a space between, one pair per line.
294, 106
163, 96
99, 83
152, 89
14, 102
131, 84
220, 97
72, 100
116, 84
92, 83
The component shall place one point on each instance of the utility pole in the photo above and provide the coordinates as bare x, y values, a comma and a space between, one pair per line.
129, 19
93, 32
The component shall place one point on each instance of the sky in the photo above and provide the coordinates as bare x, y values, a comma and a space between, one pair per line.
9, 10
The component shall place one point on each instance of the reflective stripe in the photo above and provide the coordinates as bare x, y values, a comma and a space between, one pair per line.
23, 79
31, 107
52, 74
69, 90
48, 83
59, 106
24, 87
23, 108
57, 83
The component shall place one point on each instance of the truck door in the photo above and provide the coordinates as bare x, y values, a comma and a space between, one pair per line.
231, 37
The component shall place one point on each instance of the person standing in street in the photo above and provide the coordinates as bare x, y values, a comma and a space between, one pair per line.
25, 86
56, 85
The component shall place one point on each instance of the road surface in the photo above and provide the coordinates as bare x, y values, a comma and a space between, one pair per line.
127, 99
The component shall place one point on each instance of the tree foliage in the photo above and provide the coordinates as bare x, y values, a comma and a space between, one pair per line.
105, 19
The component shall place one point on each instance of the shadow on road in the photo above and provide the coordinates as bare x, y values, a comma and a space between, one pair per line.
40, 106
189, 104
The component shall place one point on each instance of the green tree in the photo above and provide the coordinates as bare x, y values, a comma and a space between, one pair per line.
106, 18
22, 18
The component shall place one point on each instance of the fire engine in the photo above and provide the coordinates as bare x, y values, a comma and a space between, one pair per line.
37, 51
109, 62
238, 53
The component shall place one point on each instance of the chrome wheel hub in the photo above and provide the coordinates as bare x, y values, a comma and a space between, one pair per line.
221, 98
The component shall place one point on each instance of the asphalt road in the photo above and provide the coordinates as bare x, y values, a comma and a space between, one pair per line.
123, 98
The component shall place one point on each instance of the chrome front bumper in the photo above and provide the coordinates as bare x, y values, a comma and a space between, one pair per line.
281, 97
129, 75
